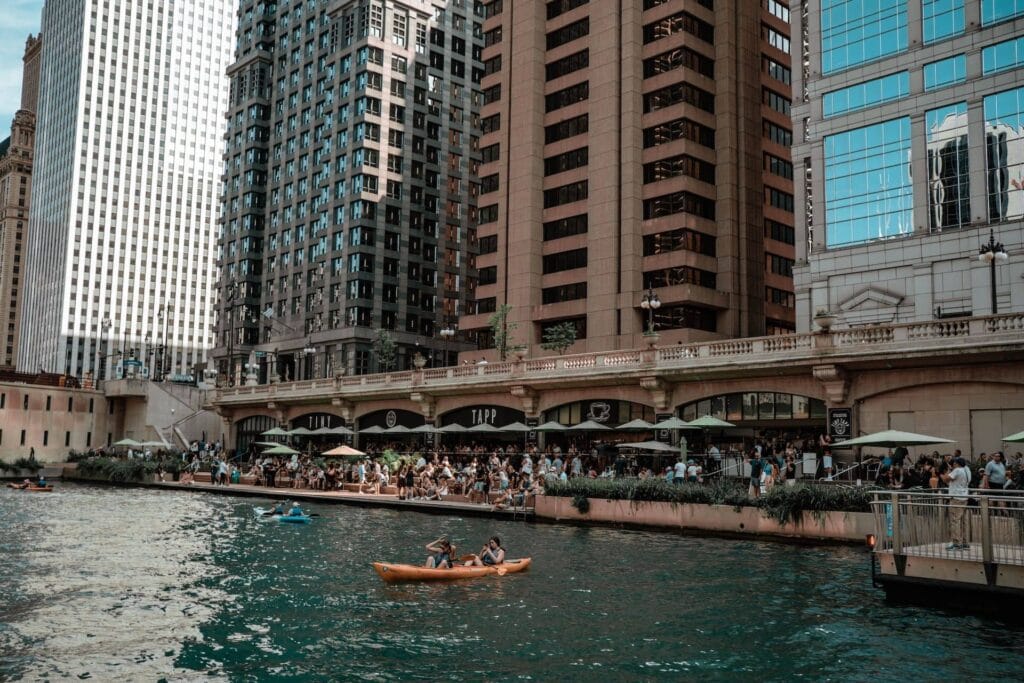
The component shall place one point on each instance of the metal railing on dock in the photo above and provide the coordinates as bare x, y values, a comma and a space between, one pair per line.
988, 527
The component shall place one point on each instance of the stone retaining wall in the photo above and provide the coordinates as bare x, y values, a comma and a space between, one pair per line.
851, 527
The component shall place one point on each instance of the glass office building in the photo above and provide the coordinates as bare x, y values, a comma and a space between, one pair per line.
909, 117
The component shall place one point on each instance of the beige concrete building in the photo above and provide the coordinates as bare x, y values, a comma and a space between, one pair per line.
50, 420
630, 147
15, 191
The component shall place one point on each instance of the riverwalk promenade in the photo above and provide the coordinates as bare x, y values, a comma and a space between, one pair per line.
384, 500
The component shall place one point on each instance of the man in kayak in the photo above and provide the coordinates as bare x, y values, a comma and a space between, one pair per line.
278, 508
490, 554
443, 554
296, 511
42, 481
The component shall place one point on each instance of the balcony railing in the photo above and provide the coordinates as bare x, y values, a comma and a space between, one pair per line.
831, 347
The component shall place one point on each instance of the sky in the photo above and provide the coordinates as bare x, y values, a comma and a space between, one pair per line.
20, 18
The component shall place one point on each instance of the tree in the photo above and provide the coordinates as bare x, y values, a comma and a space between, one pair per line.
559, 337
385, 349
502, 331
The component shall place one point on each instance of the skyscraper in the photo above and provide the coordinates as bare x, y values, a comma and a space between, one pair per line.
350, 186
119, 264
910, 150
15, 193
634, 148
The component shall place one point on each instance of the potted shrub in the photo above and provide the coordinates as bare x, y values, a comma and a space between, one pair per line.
824, 319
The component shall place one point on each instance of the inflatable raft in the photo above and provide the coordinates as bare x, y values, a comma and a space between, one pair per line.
394, 573
268, 513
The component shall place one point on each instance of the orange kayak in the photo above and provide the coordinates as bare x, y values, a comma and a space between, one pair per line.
394, 573
40, 489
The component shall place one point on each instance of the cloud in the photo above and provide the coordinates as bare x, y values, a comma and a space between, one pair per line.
20, 18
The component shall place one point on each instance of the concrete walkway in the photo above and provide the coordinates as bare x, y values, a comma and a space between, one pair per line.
441, 507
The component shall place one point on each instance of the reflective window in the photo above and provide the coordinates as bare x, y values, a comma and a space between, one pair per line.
1004, 154
1000, 10
858, 31
945, 72
868, 192
948, 192
866, 94
1006, 55
941, 19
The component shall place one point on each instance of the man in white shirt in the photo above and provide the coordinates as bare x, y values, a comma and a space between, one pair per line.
959, 481
679, 476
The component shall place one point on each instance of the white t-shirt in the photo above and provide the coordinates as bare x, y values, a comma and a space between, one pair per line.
680, 472
692, 471
959, 481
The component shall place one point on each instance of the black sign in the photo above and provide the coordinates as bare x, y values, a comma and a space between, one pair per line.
531, 436
840, 423
663, 435
387, 419
496, 416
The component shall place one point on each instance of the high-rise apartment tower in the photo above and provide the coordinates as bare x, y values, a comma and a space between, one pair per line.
910, 157
635, 147
349, 186
15, 193
119, 266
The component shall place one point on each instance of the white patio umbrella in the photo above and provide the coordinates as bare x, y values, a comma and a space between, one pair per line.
452, 429
674, 423
707, 421
636, 425
891, 438
589, 426
300, 431
551, 427
397, 429
280, 449
424, 429
375, 429
516, 427
484, 428
1014, 438
341, 431
127, 443
276, 431
649, 446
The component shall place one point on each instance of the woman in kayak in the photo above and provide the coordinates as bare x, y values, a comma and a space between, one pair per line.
444, 553
490, 554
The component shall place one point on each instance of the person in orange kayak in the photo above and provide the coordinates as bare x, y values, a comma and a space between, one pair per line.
443, 554
490, 554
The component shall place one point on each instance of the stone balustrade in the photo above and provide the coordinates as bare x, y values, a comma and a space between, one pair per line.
970, 334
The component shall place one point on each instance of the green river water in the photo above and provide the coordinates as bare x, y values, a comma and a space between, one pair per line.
112, 584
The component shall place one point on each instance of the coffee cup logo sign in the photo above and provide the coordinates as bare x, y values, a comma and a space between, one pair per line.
599, 411
390, 419
483, 416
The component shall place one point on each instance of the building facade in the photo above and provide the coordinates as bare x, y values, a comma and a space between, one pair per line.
119, 263
15, 195
350, 184
909, 118
635, 147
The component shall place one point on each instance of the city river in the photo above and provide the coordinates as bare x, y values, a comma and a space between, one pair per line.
131, 584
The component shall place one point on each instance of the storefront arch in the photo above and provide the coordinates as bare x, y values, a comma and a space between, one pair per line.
392, 417
610, 412
249, 430
471, 416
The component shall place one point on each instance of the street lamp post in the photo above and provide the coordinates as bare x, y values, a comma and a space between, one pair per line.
309, 354
992, 252
447, 334
105, 325
650, 303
